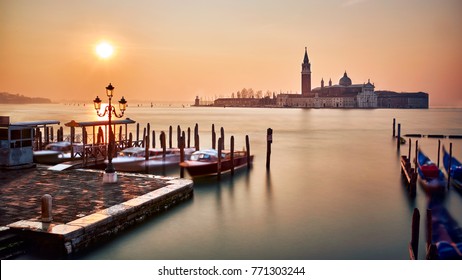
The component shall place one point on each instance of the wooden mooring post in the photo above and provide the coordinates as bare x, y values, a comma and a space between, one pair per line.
414, 244
231, 146
247, 147
137, 132
214, 137
196, 137
409, 173
182, 146
146, 152
450, 163
398, 138
439, 152
163, 144
394, 127
178, 135
47, 201
220, 146
222, 135
170, 133
269, 141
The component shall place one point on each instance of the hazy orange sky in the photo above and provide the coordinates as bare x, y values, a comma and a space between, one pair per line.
174, 50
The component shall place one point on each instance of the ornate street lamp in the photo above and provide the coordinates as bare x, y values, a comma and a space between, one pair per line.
110, 176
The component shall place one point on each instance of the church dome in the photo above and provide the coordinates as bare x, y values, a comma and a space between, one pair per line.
345, 81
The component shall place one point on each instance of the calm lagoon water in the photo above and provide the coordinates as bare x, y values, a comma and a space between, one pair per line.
334, 190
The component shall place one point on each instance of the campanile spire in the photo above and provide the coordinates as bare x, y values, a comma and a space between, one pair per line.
306, 74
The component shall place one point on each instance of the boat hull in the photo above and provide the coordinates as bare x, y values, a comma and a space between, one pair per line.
456, 169
198, 168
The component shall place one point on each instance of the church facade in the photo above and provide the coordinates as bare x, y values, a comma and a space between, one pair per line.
345, 94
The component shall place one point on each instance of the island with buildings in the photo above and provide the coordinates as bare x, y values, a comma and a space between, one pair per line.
8, 98
345, 94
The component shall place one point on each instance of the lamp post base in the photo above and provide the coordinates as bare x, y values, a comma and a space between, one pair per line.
110, 178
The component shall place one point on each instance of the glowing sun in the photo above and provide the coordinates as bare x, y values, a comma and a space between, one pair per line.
104, 50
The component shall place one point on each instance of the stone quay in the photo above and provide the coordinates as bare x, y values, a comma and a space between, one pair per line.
60, 213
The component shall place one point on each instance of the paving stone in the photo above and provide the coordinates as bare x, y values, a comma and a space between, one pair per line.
76, 193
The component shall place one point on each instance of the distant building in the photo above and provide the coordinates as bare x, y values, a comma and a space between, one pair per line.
347, 95
390, 99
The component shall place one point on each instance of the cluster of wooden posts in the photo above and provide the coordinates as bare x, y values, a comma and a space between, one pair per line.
97, 150
410, 176
409, 173
184, 140
41, 140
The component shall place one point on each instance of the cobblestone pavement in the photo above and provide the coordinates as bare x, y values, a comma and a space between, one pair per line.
76, 193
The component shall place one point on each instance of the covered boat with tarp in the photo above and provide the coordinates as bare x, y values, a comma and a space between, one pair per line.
431, 177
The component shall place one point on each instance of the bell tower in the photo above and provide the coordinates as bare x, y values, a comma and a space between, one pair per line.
306, 74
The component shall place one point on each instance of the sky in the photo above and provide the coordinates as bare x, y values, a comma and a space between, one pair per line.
167, 51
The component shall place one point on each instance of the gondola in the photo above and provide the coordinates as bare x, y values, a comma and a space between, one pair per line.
456, 169
431, 178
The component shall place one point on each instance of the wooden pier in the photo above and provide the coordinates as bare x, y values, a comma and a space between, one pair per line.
409, 174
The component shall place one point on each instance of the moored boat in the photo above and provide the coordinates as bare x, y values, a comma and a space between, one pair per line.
456, 169
205, 162
54, 153
431, 177
133, 159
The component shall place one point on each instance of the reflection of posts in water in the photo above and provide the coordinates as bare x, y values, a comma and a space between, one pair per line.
431, 250
414, 244
429, 235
